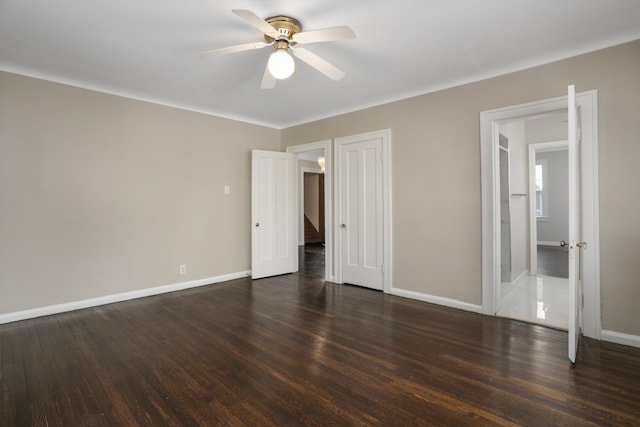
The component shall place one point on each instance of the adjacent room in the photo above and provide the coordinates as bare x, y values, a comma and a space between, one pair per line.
319, 213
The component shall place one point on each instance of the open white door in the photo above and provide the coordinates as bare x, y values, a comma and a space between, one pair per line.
575, 242
274, 248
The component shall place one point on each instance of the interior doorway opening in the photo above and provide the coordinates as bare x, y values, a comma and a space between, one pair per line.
490, 122
312, 249
313, 208
319, 207
533, 217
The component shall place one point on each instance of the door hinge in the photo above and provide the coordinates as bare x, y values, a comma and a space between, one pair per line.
579, 136
382, 269
582, 299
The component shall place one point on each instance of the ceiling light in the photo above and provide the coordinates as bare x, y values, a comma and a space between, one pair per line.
281, 64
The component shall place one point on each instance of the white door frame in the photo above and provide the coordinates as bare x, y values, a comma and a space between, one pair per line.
587, 102
387, 248
533, 222
329, 246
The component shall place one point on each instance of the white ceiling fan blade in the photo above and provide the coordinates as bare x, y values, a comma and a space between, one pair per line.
325, 35
256, 21
234, 49
268, 81
318, 63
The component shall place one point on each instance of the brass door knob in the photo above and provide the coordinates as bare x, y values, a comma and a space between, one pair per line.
564, 244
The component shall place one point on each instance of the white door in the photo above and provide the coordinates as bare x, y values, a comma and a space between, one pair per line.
274, 248
575, 242
361, 212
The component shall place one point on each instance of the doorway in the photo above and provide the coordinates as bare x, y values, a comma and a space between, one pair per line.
533, 214
308, 155
549, 207
333, 248
492, 291
313, 215
312, 249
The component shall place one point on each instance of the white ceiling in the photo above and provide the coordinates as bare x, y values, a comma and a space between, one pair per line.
148, 50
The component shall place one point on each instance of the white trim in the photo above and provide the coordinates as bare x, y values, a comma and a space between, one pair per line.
424, 90
385, 136
329, 254
109, 299
302, 171
520, 276
21, 71
620, 338
587, 101
433, 299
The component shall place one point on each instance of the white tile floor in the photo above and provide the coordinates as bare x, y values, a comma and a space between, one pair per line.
542, 300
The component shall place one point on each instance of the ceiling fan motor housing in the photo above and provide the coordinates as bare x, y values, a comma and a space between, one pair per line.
285, 25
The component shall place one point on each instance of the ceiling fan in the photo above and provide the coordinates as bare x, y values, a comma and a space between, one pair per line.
285, 34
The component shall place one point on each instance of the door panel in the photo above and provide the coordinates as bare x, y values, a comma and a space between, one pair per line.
361, 213
574, 227
274, 247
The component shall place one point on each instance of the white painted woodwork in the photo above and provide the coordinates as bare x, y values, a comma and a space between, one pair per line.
588, 160
274, 248
574, 226
361, 212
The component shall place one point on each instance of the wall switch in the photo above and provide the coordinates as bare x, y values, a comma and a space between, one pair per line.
183, 269
227, 189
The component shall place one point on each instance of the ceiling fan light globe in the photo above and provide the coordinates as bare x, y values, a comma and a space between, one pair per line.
281, 64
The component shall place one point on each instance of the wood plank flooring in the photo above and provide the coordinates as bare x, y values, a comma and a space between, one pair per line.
293, 350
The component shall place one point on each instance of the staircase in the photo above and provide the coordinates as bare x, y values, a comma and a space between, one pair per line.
311, 234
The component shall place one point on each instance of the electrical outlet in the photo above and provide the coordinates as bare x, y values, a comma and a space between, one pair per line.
183, 269
227, 189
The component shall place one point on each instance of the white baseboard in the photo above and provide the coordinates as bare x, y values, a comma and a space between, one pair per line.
108, 299
447, 302
544, 243
605, 335
620, 338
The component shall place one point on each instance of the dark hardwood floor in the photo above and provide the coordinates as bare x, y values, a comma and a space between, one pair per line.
293, 350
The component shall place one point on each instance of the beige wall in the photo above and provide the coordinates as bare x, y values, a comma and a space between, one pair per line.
101, 194
436, 174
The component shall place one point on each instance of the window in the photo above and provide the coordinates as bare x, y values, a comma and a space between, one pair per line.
542, 209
